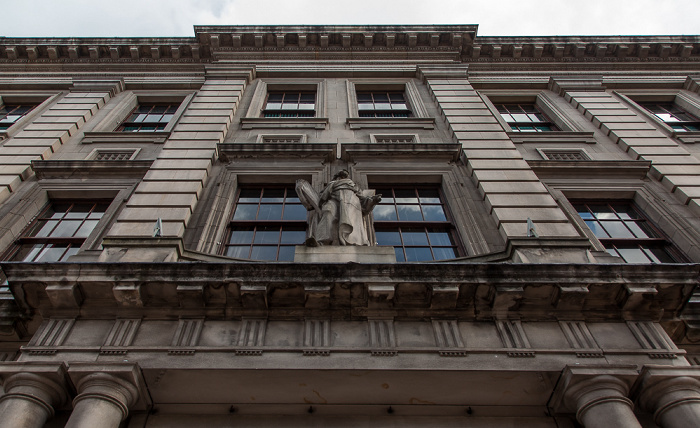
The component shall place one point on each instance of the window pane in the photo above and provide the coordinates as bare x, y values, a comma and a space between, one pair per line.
86, 228
293, 236
658, 255
270, 212
384, 213
46, 228
409, 213
264, 253
399, 254
273, 195
617, 229
66, 228
286, 254
440, 239
418, 254
245, 212
239, 252
241, 236
51, 253
429, 196
434, 213
249, 195
294, 212
602, 212
388, 238
597, 229
633, 255
444, 253
414, 237
267, 235
406, 196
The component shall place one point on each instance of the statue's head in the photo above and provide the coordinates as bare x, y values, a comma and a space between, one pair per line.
341, 174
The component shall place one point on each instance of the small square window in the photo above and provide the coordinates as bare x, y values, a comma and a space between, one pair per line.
674, 116
290, 104
149, 118
525, 118
11, 113
571, 155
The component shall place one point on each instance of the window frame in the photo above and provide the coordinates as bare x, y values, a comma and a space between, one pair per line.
446, 226
40, 100
419, 114
685, 100
254, 118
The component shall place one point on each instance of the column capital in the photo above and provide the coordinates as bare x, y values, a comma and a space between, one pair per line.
43, 384
563, 84
660, 389
580, 388
121, 384
442, 72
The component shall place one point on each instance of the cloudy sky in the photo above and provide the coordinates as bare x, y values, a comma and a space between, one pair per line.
143, 18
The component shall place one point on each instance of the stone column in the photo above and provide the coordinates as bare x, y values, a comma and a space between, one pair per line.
602, 402
597, 395
29, 400
103, 401
672, 394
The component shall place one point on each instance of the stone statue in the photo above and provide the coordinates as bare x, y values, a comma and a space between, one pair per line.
339, 215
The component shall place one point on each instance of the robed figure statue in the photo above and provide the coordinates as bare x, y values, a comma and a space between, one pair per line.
339, 215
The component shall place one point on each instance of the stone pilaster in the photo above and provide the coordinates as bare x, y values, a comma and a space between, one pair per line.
32, 393
672, 394
597, 395
106, 394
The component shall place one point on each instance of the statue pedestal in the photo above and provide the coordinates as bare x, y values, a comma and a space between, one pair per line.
344, 254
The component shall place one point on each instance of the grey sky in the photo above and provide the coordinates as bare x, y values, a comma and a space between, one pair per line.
143, 18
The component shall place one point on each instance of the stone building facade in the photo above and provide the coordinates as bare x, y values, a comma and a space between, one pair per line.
541, 195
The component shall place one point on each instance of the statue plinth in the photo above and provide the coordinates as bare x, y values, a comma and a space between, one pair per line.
344, 254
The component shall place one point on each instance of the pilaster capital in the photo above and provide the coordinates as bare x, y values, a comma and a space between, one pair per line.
661, 388
581, 388
121, 384
43, 384
230, 71
441, 72
563, 84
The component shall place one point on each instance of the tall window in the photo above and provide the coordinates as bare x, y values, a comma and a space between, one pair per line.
625, 232
674, 116
525, 118
414, 220
149, 118
58, 232
290, 104
11, 113
382, 104
267, 223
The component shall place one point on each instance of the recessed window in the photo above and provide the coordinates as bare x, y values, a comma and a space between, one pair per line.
266, 224
414, 220
290, 104
675, 117
382, 104
149, 118
525, 118
11, 113
59, 231
625, 232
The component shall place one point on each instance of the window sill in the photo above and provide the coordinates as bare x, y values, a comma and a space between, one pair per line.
277, 122
689, 137
590, 169
389, 122
552, 137
155, 137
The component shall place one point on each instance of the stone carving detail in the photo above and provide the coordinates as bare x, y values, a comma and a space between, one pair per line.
339, 215
53, 333
186, 336
580, 338
650, 336
382, 338
513, 336
252, 334
122, 333
447, 336
317, 334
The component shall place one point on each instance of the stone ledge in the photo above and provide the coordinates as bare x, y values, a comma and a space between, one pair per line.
344, 254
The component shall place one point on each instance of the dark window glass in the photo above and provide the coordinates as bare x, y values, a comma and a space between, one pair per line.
290, 104
626, 233
414, 221
149, 118
267, 223
525, 118
674, 116
58, 232
11, 113
382, 104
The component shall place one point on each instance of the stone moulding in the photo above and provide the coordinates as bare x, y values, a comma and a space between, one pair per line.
280, 290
